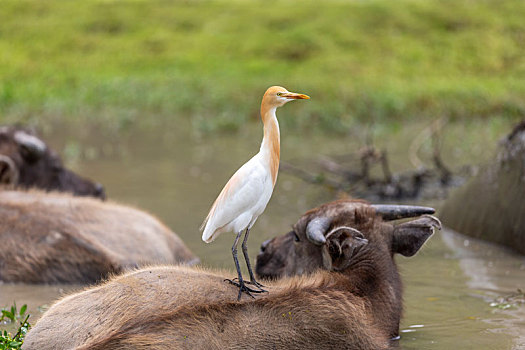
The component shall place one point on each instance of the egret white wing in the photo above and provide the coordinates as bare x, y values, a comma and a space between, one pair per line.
236, 200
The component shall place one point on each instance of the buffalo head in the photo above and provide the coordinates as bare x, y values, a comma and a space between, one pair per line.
343, 234
26, 161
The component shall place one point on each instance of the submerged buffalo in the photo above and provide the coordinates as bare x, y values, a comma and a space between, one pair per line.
26, 161
350, 299
58, 238
491, 206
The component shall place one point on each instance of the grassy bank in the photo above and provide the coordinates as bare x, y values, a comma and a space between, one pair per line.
211, 60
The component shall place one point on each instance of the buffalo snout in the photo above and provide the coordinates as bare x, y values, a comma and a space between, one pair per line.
275, 255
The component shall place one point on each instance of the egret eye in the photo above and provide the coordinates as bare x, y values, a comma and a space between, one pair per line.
279, 93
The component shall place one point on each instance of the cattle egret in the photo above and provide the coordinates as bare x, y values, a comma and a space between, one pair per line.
248, 191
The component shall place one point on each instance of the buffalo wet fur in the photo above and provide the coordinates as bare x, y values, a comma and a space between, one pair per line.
58, 238
26, 162
181, 308
346, 295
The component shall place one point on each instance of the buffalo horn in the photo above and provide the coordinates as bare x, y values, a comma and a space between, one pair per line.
394, 212
32, 144
316, 229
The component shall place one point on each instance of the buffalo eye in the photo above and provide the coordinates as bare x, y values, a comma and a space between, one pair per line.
296, 237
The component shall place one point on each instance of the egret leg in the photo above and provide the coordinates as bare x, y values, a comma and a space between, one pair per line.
248, 264
240, 284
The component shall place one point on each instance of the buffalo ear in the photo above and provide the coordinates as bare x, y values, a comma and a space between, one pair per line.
410, 236
341, 243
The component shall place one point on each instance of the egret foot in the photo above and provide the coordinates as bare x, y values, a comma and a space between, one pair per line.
255, 283
258, 285
243, 288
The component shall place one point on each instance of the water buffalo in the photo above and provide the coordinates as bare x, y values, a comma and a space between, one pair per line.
58, 238
356, 240
26, 161
336, 306
491, 205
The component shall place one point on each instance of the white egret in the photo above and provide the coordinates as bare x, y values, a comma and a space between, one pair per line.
248, 191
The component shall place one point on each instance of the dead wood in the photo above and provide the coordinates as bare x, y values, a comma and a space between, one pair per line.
367, 172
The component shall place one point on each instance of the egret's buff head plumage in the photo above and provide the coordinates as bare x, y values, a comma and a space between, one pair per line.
277, 96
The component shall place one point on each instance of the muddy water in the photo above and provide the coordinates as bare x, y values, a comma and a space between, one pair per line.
176, 175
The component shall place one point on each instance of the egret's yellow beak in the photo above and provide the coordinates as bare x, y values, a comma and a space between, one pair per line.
295, 96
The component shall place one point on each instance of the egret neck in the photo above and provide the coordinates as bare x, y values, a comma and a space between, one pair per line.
270, 146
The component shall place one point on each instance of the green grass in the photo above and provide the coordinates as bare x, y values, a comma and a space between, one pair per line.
380, 60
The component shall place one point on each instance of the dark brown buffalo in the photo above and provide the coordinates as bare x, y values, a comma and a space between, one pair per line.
333, 307
57, 238
354, 240
26, 161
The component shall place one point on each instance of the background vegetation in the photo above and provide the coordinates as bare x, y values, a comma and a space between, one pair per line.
210, 61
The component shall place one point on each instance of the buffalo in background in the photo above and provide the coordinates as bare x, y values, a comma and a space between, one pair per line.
348, 297
58, 238
491, 206
26, 161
